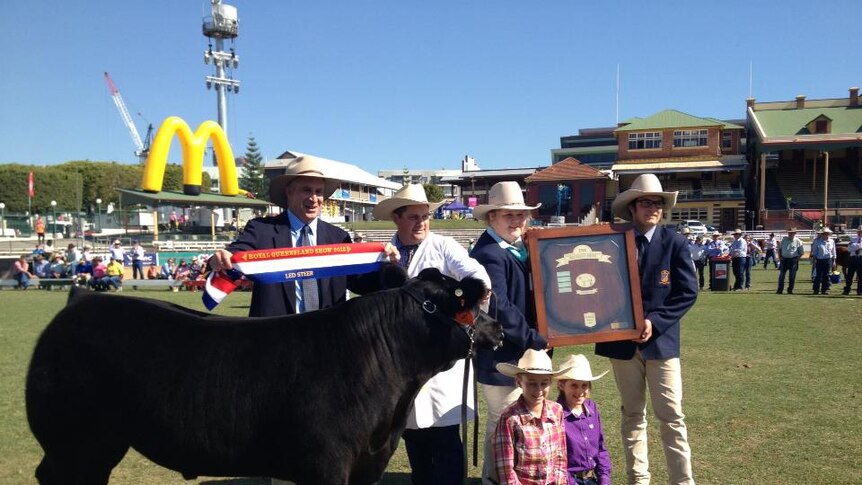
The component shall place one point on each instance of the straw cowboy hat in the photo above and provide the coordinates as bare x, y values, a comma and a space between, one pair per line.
536, 362
411, 194
646, 184
505, 196
825, 230
737, 231
304, 166
579, 369
792, 229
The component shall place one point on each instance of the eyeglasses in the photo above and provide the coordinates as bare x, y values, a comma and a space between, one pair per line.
649, 204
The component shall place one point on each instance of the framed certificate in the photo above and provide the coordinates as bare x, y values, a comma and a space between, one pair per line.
586, 284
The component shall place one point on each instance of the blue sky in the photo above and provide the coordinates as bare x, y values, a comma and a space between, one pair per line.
390, 84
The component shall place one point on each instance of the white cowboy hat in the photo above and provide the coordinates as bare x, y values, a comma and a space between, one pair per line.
686, 230
825, 230
646, 184
535, 362
579, 369
737, 231
411, 194
304, 166
505, 196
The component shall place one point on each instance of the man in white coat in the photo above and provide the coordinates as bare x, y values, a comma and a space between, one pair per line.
434, 447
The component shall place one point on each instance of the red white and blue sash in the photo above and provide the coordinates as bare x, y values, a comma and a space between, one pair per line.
267, 266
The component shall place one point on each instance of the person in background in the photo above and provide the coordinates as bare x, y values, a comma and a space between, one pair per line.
21, 272
588, 460
529, 441
114, 274
168, 269
698, 256
87, 254
668, 291
40, 229
73, 255
823, 253
137, 254
359, 237
153, 272
501, 250
789, 251
738, 259
854, 264
769, 247
116, 250
182, 271
83, 272
49, 247
58, 268
99, 282
41, 267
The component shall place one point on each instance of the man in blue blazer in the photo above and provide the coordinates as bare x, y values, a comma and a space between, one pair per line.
668, 290
301, 191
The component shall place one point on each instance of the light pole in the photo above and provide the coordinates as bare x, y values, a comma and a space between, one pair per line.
54, 219
99, 215
3, 218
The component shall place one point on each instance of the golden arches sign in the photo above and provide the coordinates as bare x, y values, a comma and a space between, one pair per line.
193, 145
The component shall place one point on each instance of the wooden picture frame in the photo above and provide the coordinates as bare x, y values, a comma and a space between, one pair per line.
586, 284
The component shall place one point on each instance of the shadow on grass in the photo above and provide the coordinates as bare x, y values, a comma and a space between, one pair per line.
403, 478
237, 481
388, 479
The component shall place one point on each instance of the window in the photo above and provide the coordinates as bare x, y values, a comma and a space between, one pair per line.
820, 126
690, 138
556, 200
692, 213
726, 140
643, 141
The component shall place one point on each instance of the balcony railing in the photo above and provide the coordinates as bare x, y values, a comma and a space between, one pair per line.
711, 194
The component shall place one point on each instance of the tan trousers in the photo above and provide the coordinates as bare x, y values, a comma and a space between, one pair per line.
664, 379
497, 398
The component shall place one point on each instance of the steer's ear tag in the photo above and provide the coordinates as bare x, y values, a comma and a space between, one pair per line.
459, 292
464, 317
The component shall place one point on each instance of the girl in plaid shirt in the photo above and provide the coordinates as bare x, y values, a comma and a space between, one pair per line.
530, 439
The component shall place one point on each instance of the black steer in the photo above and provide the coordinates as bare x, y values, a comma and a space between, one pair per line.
317, 398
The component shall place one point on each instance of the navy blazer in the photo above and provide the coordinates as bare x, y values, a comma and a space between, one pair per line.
512, 305
668, 290
280, 298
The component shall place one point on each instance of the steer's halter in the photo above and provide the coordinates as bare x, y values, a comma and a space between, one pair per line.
463, 319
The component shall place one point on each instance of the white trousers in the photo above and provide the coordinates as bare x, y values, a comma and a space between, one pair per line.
664, 378
497, 399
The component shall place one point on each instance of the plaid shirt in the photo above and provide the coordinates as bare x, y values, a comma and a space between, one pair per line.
530, 450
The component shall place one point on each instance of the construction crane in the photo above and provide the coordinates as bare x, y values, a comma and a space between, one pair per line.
141, 150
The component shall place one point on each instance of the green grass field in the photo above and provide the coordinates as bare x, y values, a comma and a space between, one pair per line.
772, 389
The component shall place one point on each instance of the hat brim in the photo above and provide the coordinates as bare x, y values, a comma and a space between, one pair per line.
384, 209
512, 370
620, 206
277, 185
574, 377
480, 211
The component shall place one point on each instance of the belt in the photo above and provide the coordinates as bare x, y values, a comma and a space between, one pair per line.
584, 474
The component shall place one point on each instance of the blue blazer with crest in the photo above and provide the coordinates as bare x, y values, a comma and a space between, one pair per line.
280, 299
668, 291
512, 305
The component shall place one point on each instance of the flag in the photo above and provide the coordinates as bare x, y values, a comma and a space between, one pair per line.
267, 266
31, 192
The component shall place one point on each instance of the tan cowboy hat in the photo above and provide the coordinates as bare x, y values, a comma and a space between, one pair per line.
646, 184
792, 229
304, 166
535, 362
737, 231
686, 230
503, 196
411, 194
579, 369
715, 234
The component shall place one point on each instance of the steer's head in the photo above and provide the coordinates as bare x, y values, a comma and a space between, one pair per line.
457, 303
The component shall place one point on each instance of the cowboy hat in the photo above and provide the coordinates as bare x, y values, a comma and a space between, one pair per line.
686, 230
536, 362
792, 229
737, 231
825, 230
715, 233
505, 196
646, 184
579, 369
304, 166
411, 194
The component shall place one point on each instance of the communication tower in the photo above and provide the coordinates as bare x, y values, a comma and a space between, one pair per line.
222, 25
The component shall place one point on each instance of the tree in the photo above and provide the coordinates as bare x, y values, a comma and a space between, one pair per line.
433, 192
252, 178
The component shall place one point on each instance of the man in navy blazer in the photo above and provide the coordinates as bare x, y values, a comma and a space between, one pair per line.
668, 290
301, 192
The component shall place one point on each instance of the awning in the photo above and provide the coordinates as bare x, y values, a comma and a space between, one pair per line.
167, 197
689, 166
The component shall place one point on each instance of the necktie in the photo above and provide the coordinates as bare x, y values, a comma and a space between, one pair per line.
310, 300
407, 254
642, 243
